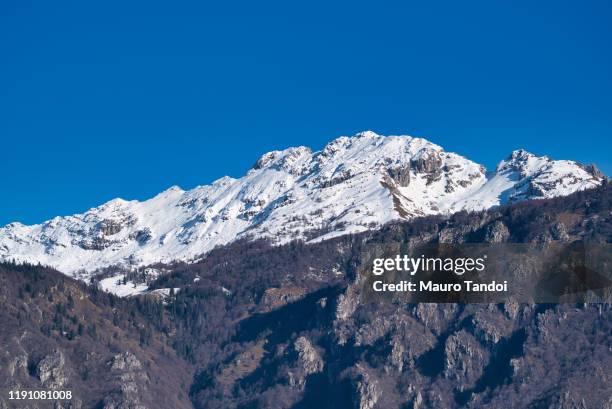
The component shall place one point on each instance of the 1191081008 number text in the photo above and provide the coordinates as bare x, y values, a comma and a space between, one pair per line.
39, 395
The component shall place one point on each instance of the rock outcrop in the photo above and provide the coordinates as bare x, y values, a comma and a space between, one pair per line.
51, 371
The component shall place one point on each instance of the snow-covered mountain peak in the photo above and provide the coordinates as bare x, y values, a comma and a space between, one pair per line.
522, 161
279, 158
366, 134
529, 165
523, 175
175, 188
353, 184
520, 154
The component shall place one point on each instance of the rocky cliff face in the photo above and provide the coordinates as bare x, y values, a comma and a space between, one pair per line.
369, 355
352, 185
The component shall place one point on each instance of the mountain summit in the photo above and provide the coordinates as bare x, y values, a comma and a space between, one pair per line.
351, 185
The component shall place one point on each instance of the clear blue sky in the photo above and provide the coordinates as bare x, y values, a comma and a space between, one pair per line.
126, 98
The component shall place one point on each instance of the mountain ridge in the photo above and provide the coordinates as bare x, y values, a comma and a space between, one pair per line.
351, 185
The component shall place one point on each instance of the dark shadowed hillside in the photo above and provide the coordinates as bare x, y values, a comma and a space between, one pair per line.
57, 334
255, 326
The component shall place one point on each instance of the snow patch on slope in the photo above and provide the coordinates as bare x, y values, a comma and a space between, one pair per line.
121, 288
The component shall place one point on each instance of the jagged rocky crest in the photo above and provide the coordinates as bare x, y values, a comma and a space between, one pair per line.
353, 184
